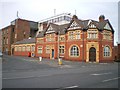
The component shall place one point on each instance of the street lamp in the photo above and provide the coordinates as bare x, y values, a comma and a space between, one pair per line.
117, 51
58, 44
59, 60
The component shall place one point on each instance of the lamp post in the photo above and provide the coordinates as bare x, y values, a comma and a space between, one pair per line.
58, 44
117, 52
59, 60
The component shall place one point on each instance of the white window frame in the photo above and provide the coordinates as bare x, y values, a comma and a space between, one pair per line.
61, 49
39, 50
106, 51
74, 51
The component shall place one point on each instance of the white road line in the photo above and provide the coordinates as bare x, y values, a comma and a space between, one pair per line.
71, 87
25, 77
28, 77
98, 74
28, 60
110, 79
82, 66
18, 78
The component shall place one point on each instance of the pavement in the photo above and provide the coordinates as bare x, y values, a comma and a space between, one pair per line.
65, 63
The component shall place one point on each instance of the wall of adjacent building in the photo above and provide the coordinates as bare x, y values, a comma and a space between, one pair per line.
18, 30
24, 49
1, 40
6, 39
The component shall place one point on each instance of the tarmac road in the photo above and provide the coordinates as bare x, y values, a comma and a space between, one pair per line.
25, 72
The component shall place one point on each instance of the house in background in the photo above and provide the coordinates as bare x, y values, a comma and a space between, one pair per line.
119, 51
18, 30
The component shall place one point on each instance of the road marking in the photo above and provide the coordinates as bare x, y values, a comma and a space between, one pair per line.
65, 66
98, 74
18, 78
82, 66
71, 87
29, 60
103, 63
28, 77
110, 79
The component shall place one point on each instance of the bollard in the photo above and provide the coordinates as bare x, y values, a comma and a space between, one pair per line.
40, 58
60, 61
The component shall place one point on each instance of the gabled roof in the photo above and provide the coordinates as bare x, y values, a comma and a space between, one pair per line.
41, 34
25, 41
63, 29
79, 22
54, 27
82, 24
102, 24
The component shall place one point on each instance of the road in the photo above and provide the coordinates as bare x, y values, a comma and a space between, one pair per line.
23, 72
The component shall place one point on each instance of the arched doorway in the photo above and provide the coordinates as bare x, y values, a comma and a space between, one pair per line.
92, 54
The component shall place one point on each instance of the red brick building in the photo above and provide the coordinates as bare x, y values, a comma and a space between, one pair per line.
79, 40
118, 52
25, 47
18, 30
7, 39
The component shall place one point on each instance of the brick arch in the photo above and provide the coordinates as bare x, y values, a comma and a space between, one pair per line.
92, 54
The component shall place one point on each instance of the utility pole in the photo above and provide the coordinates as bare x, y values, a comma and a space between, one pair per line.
17, 15
54, 12
75, 11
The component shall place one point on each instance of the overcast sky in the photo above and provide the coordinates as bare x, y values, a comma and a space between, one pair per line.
37, 10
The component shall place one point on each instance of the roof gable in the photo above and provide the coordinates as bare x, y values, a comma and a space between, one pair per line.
107, 26
50, 29
74, 25
92, 25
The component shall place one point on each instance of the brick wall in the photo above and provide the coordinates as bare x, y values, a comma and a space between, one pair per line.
118, 51
22, 30
0, 40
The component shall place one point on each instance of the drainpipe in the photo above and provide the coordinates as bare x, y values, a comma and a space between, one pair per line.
83, 47
58, 44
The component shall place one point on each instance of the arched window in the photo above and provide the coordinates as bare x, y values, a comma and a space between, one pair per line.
74, 51
106, 51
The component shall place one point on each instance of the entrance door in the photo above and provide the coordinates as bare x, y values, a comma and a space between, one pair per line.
52, 53
12, 51
92, 54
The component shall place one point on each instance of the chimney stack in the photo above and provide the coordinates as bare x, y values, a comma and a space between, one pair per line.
74, 17
101, 18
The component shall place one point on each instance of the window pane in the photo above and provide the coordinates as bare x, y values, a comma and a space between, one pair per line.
74, 51
106, 51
